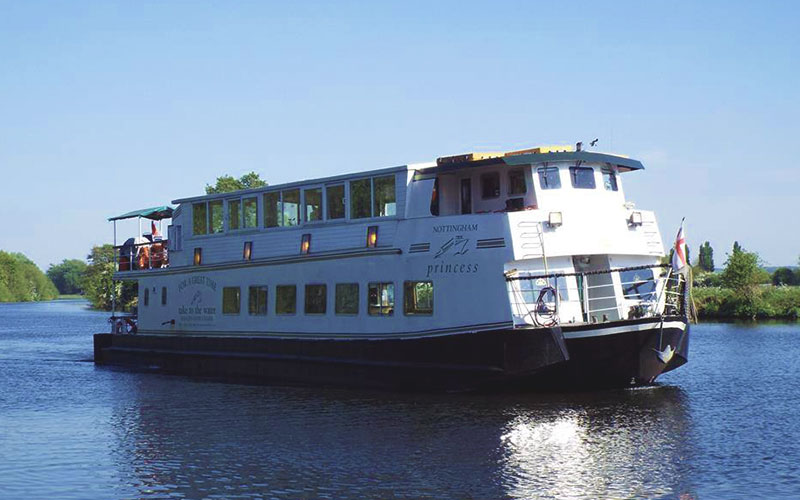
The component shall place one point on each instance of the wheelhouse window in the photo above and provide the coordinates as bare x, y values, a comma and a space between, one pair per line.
360, 199
347, 298
516, 182
234, 214
316, 299
549, 177
381, 299
231, 300
291, 207
250, 212
384, 195
490, 185
610, 180
286, 299
336, 201
313, 204
638, 285
199, 218
257, 301
582, 177
216, 216
418, 298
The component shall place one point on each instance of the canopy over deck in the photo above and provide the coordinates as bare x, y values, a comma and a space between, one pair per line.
153, 213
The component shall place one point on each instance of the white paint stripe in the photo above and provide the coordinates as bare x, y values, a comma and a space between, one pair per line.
598, 332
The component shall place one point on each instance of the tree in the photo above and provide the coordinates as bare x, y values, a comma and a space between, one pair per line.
99, 285
706, 258
742, 274
227, 183
68, 276
22, 281
783, 276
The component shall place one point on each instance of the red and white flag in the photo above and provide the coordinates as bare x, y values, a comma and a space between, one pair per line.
679, 254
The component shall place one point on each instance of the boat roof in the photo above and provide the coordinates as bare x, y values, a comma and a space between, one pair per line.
152, 213
537, 155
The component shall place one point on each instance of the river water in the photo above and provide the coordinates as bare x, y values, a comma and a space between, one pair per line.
727, 425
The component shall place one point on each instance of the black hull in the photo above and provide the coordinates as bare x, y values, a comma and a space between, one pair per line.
484, 360
621, 353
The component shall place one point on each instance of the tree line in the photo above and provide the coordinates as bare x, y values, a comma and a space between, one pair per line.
22, 281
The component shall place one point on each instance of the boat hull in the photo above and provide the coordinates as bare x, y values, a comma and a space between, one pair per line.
482, 360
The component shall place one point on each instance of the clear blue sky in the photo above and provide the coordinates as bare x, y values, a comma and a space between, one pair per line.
111, 106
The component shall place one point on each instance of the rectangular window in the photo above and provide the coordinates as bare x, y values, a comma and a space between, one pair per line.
516, 182
385, 203
313, 204
490, 185
360, 199
582, 177
291, 207
418, 298
146, 296
346, 298
549, 178
231, 300
198, 256
336, 201
234, 214
257, 301
163, 295
610, 180
316, 299
199, 219
272, 207
381, 299
250, 212
216, 216
285, 299
638, 285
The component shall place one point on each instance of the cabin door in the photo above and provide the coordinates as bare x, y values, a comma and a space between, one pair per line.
596, 291
466, 196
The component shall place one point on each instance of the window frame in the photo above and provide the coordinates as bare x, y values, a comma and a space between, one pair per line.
306, 289
542, 174
163, 295
487, 175
515, 171
278, 290
250, 308
336, 309
612, 177
238, 290
328, 200
573, 177
195, 218
321, 218
410, 286
381, 285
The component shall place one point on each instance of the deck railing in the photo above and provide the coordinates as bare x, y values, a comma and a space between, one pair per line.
554, 298
139, 256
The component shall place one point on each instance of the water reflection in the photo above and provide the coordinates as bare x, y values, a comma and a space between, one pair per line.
628, 444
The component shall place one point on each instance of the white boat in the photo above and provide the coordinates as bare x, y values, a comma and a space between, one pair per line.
523, 269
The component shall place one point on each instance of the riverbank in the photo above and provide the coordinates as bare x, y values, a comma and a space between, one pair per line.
766, 302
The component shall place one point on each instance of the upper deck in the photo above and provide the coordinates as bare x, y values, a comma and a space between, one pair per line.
332, 214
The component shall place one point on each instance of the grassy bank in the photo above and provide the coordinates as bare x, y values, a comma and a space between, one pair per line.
766, 302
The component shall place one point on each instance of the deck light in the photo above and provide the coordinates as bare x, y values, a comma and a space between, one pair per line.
305, 243
635, 219
247, 253
198, 256
372, 236
554, 219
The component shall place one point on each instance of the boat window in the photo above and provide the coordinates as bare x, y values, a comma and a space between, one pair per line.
231, 300
418, 298
610, 180
360, 199
285, 299
381, 299
198, 256
234, 214
216, 215
582, 177
316, 299
313, 203
257, 301
163, 295
516, 182
531, 289
490, 185
346, 298
385, 204
272, 207
336, 201
435, 198
638, 285
549, 178
146, 296
291, 207
199, 218
250, 212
